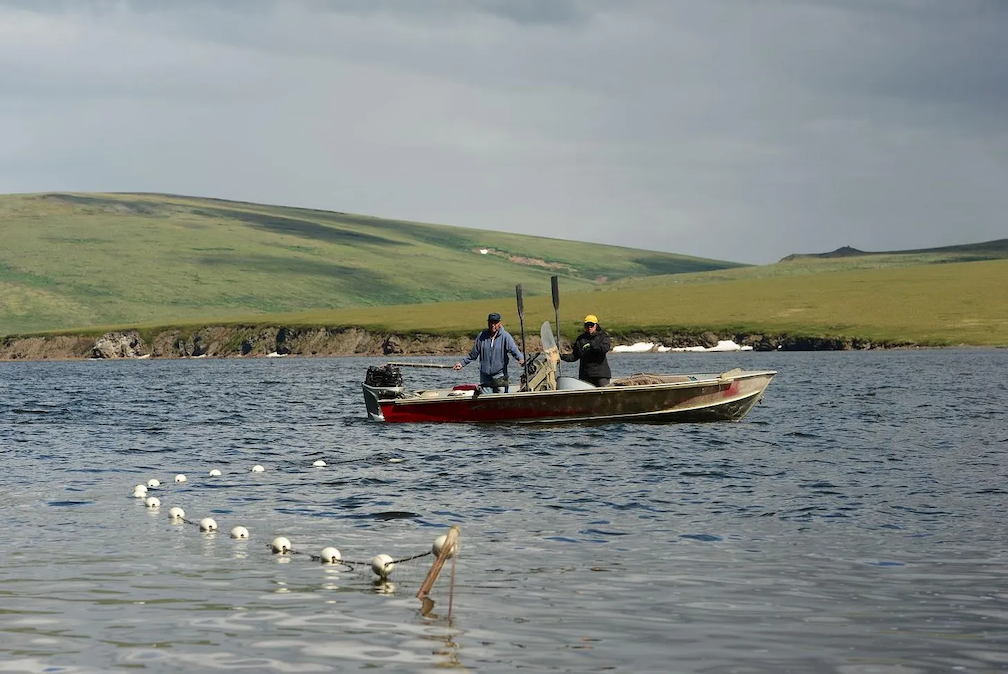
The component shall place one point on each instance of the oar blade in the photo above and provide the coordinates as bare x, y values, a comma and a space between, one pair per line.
521, 321
555, 286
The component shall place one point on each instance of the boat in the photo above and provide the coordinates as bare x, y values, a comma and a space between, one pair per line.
544, 397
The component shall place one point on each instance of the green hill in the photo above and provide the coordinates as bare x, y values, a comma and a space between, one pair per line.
71, 261
933, 305
840, 260
969, 252
86, 263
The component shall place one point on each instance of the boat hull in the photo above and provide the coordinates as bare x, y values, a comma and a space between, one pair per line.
697, 398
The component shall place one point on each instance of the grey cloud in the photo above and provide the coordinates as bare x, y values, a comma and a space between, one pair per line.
525, 12
730, 129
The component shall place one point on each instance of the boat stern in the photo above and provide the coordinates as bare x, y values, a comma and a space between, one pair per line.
373, 395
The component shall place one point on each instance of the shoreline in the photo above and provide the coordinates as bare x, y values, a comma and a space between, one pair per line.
262, 341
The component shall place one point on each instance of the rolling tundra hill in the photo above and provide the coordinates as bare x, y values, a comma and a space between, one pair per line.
212, 276
968, 252
74, 261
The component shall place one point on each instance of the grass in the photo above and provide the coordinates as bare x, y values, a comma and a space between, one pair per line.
86, 263
938, 305
931, 304
78, 260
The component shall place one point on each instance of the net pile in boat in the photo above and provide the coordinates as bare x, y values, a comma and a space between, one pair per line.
642, 378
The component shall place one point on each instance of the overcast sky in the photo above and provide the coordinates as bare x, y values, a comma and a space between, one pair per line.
741, 130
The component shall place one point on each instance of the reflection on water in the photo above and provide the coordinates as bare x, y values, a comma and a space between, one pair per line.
854, 522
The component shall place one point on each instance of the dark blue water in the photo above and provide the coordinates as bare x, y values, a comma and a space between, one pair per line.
854, 522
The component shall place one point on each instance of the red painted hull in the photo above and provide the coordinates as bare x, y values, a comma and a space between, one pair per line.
726, 397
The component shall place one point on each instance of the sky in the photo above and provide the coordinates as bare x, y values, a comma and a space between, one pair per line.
740, 130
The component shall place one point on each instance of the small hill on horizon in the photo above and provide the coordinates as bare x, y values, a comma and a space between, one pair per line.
78, 260
970, 252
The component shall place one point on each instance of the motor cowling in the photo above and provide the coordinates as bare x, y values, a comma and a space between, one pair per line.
541, 372
383, 376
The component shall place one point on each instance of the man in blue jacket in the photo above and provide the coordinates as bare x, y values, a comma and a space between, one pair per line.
492, 348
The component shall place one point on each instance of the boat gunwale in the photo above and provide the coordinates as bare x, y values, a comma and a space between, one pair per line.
638, 415
416, 398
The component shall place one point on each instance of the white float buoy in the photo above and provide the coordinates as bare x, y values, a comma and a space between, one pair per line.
152, 502
319, 463
239, 532
331, 555
257, 468
382, 565
207, 524
281, 545
214, 473
180, 478
439, 544
153, 483
176, 514
140, 490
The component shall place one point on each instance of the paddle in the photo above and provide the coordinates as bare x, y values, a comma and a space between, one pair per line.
439, 365
555, 284
521, 320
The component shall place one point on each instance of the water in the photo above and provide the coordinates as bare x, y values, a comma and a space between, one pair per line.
854, 522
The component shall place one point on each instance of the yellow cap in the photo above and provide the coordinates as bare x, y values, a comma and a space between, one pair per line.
591, 318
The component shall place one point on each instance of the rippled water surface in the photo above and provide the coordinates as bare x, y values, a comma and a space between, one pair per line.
853, 522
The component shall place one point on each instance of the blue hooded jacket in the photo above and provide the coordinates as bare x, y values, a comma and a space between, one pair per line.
492, 354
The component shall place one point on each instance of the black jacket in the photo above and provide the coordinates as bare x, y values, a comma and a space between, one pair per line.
591, 351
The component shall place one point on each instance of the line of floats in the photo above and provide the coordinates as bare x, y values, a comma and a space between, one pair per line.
443, 548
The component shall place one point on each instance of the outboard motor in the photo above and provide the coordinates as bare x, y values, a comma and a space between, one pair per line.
382, 382
541, 374
383, 376
542, 367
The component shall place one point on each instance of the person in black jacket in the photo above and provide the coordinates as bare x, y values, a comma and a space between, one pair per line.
590, 348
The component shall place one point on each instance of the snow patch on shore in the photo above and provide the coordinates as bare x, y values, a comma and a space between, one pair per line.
722, 345
646, 347
639, 347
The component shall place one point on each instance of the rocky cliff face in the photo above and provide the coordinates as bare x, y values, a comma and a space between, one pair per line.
229, 341
119, 345
59, 347
235, 341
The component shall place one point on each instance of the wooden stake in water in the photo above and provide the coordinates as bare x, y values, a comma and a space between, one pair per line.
447, 550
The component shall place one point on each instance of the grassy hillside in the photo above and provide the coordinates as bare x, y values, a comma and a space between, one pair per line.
969, 252
95, 262
949, 304
82, 260
849, 260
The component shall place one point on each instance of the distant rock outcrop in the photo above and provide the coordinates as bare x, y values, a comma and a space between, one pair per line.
119, 345
708, 339
843, 251
391, 346
970, 252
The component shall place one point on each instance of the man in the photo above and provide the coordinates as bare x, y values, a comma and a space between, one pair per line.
590, 348
492, 348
